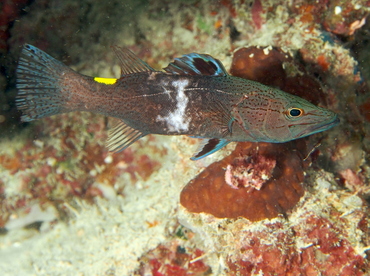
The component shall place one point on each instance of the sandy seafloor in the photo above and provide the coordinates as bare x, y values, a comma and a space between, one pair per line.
109, 226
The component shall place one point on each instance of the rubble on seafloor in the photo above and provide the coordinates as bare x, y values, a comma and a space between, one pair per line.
70, 207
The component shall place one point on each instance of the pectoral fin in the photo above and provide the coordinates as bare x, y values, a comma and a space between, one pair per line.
209, 146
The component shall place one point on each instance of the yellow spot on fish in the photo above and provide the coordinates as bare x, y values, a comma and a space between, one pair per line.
106, 80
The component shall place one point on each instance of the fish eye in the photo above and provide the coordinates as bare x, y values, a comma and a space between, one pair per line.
295, 112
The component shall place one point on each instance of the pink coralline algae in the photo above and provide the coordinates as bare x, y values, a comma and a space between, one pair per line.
256, 12
252, 171
314, 246
173, 259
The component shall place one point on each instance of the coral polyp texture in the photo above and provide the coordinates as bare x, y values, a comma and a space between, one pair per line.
257, 181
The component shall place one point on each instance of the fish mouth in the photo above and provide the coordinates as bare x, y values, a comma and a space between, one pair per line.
320, 127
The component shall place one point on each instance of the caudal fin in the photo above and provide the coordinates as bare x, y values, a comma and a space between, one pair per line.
38, 81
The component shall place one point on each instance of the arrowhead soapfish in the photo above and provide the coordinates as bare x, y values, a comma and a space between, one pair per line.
194, 96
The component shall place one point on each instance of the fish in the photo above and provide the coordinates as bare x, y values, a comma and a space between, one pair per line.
194, 96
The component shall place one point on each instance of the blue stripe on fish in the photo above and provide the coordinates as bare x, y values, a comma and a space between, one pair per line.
196, 64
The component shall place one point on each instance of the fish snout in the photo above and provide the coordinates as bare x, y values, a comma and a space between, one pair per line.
319, 122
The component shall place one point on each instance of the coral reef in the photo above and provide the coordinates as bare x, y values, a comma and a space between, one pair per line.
70, 166
162, 261
279, 251
93, 213
175, 258
314, 239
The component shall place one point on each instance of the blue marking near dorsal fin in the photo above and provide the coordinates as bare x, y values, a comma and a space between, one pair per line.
129, 62
209, 146
196, 64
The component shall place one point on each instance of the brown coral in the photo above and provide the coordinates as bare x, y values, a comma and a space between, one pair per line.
271, 66
209, 192
264, 65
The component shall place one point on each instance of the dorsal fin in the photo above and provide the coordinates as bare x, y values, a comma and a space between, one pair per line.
129, 62
121, 136
196, 64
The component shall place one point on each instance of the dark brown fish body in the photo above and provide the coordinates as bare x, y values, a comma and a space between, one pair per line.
195, 97
157, 103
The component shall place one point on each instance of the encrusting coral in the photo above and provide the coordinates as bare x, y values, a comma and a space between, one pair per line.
279, 179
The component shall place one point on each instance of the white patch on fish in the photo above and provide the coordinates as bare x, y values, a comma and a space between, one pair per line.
177, 119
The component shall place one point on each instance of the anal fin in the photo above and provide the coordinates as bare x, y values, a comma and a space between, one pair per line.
122, 136
209, 146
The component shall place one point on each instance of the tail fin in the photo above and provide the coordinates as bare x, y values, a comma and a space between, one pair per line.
38, 81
